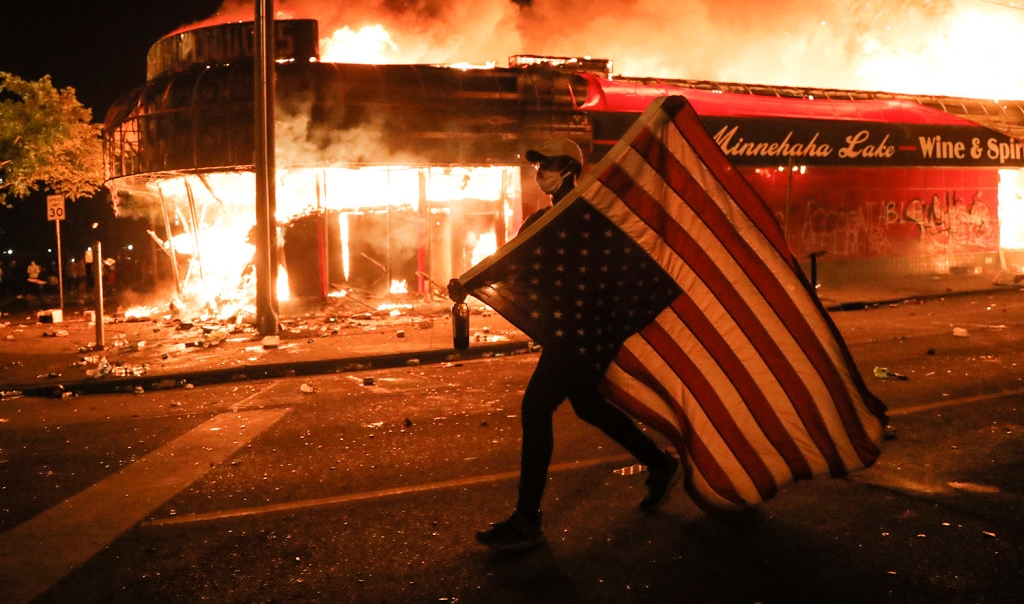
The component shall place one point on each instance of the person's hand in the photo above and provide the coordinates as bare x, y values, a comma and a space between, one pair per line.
456, 292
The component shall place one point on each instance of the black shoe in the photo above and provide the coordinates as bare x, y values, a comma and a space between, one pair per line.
515, 534
660, 482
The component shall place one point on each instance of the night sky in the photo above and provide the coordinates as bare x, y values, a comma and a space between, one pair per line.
96, 47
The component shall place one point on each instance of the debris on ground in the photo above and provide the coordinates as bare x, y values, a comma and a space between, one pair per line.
883, 373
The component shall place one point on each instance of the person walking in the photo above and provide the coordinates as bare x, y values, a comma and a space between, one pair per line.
556, 378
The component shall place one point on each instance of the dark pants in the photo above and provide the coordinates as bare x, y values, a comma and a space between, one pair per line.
552, 382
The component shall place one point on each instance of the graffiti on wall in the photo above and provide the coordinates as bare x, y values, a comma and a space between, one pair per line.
954, 224
944, 223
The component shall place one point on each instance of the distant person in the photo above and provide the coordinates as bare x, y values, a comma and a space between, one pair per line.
89, 274
35, 283
74, 272
555, 379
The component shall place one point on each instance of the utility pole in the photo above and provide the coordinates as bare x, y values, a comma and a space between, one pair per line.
265, 167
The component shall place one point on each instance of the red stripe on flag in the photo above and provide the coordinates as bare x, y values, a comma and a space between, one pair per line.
691, 129
684, 439
746, 386
705, 395
650, 210
682, 182
685, 119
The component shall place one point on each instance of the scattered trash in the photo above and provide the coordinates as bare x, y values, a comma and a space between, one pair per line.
124, 370
216, 336
883, 373
400, 333
101, 370
368, 381
307, 389
271, 341
960, 332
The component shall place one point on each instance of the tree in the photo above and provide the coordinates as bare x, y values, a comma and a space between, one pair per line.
47, 141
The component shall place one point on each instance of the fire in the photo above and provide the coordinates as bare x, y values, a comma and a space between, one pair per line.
486, 244
203, 223
956, 47
204, 226
368, 44
282, 291
973, 53
398, 287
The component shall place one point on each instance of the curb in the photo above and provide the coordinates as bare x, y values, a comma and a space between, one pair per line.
855, 305
166, 381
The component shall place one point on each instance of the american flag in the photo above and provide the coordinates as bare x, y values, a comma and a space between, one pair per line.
668, 278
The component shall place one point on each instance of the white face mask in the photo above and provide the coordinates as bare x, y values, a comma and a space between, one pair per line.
550, 181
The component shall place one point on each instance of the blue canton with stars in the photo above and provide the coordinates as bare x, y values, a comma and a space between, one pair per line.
579, 285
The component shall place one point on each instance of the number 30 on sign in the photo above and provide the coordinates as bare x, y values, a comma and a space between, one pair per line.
55, 207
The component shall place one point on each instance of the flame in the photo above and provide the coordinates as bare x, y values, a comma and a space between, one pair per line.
973, 53
282, 291
368, 44
398, 287
211, 221
1011, 215
958, 47
486, 244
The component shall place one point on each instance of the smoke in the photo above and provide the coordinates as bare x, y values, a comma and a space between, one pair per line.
954, 47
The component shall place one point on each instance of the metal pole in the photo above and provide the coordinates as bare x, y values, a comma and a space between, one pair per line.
266, 227
60, 270
98, 289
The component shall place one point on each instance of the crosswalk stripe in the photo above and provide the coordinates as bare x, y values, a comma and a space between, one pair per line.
39, 552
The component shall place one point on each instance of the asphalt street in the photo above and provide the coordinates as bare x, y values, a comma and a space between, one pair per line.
367, 484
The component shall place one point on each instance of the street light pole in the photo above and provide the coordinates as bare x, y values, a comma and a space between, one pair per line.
265, 168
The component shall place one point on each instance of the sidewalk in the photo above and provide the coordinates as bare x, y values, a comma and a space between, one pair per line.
61, 359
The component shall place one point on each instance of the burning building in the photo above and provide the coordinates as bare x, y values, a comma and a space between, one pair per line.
402, 176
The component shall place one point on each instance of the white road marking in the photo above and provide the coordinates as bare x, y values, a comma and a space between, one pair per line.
472, 480
954, 402
39, 552
340, 499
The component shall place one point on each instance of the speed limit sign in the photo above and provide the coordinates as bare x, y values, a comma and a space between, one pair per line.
55, 207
